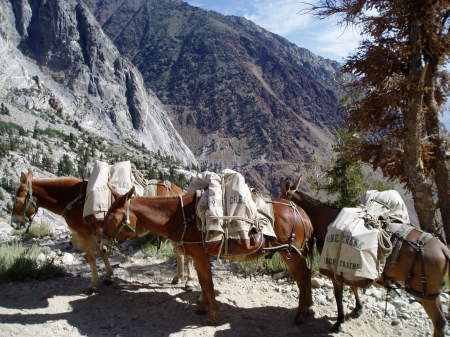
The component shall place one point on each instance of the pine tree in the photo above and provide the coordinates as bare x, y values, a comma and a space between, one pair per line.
345, 178
65, 166
398, 87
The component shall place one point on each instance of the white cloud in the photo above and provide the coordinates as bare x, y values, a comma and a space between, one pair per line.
337, 41
278, 16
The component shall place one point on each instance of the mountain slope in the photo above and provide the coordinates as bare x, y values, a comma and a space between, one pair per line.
56, 57
240, 96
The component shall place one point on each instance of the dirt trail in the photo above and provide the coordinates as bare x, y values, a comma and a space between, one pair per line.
142, 302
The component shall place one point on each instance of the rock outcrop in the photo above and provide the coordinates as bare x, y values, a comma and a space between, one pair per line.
54, 55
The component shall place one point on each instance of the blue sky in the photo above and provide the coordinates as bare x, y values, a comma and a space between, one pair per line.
283, 17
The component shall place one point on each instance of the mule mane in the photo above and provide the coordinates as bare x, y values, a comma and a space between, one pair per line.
313, 202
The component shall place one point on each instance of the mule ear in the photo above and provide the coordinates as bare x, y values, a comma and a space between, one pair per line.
130, 193
116, 195
23, 177
285, 186
297, 185
30, 174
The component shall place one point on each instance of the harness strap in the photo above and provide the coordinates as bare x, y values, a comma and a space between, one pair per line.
294, 208
125, 223
70, 205
183, 226
419, 254
28, 201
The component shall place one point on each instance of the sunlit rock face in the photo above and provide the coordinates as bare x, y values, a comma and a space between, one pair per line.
54, 55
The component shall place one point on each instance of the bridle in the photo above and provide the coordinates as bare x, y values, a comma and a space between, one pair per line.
29, 201
125, 224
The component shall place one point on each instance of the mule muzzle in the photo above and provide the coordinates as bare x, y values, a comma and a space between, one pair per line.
18, 222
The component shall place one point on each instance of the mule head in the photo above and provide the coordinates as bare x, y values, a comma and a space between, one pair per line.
25, 203
288, 189
120, 222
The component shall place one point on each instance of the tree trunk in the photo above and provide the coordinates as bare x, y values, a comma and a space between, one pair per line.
412, 157
440, 162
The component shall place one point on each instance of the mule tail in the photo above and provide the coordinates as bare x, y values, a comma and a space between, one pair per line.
312, 256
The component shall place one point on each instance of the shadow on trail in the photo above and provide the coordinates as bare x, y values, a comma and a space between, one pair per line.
136, 309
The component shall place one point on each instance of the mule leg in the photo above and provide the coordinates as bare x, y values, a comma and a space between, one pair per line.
189, 286
338, 293
358, 310
180, 267
302, 275
109, 271
433, 309
90, 249
208, 301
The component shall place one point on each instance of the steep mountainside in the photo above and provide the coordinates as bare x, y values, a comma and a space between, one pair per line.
55, 59
240, 96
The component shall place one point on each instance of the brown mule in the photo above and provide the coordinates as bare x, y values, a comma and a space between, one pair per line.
408, 269
65, 196
174, 217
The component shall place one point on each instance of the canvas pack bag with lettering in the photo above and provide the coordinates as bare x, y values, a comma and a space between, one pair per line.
350, 248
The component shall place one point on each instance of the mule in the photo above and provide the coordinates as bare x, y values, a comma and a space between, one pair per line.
175, 218
408, 269
65, 196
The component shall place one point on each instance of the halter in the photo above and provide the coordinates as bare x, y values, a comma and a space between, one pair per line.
125, 223
28, 201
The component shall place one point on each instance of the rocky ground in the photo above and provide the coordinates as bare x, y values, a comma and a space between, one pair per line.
143, 302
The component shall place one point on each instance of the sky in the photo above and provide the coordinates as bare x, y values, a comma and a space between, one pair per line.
287, 18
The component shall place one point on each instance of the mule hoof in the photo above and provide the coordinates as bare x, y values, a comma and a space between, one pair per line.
302, 315
356, 313
107, 282
91, 290
175, 281
212, 321
310, 312
299, 320
336, 328
189, 287
201, 311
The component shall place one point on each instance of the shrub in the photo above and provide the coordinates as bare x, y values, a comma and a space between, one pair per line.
166, 250
7, 127
18, 263
52, 133
65, 166
273, 265
4, 110
39, 230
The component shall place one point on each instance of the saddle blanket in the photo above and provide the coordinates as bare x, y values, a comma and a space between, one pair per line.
98, 196
228, 207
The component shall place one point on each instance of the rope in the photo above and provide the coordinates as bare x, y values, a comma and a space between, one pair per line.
138, 176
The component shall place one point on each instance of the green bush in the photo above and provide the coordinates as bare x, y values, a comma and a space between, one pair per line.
8, 127
39, 230
18, 263
52, 133
65, 166
166, 250
273, 265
